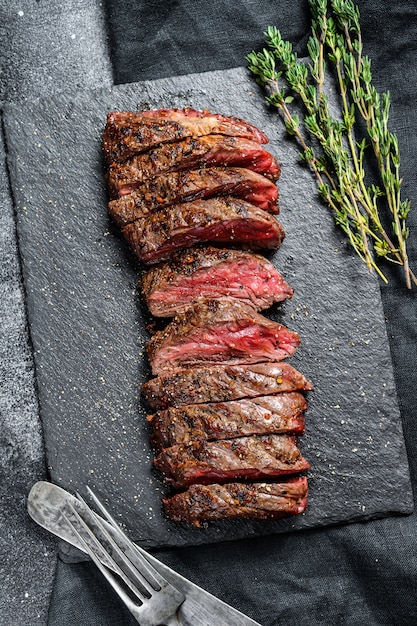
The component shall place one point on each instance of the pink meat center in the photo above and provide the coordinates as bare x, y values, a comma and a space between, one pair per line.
232, 340
241, 280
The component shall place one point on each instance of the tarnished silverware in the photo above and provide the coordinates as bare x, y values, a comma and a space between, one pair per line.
150, 598
46, 504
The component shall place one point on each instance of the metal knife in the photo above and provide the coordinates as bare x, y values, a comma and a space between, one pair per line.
200, 608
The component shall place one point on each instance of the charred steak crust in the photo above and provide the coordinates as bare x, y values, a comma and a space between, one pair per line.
207, 272
283, 413
228, 408
228, 221
265, 501
185, 186
221, 330
191, 153
189, 112
221, 383
254, 457
127, 133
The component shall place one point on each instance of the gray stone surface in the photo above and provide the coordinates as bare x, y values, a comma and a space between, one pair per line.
25, 552
45, 48
89, 333
52, 47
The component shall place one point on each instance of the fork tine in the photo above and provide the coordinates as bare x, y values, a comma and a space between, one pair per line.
103, 569
135, 553
122, 552
160, 602
141, 589
104, 541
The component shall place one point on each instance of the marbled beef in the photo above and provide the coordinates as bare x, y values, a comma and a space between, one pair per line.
185, 186
282, 413
221, 330
127, 133
266, 501
244, 458
227, 221
207, 272
190, 153
221, 383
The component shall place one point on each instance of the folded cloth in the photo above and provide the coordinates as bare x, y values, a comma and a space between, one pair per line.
157, 39
357, 574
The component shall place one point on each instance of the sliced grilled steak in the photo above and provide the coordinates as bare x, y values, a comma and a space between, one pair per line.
207, 272
205, 116
190, 153
228, 221
283, 413
129, 133
175, 187
221, 383
243, 458
222, 330
266, 501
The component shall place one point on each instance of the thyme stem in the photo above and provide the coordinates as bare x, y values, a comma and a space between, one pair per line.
330, 144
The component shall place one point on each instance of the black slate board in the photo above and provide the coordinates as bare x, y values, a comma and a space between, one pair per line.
88, 328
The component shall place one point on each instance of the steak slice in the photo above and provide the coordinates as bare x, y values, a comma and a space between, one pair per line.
128, 133
228, 221
190, 153
174, 187
221, 383
208, 272
216, 331
283, 413
243, 458
179, 114
266, 501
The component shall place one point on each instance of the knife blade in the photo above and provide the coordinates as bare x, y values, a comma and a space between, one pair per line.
200, 608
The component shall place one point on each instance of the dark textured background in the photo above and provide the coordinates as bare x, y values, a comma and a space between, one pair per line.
88, 331
356, 574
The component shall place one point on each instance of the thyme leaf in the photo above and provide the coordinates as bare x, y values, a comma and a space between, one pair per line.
333, 145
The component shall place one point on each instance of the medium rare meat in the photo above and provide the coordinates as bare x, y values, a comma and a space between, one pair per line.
167, 189
222, 330
243, 458
228, 408
266, 501
283, 413
207, 272
129, 133
227, 221
221, 383
190, 153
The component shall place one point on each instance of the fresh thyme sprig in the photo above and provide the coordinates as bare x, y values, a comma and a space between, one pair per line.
330, 145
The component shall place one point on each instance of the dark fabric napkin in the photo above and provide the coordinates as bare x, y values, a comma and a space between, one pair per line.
348, 575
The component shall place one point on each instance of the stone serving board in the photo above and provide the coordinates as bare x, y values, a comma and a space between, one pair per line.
88, 326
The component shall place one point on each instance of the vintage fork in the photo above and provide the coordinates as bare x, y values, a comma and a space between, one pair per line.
150, 598
46, 501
